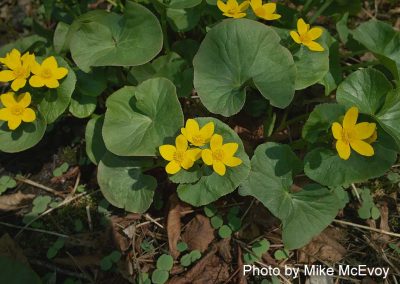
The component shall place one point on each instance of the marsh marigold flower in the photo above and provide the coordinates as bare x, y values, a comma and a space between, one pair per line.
307, 36
198, 137
358, 136
19, 68
16, 109
266, 11
220, 155
47, 74
232, 8
179, 156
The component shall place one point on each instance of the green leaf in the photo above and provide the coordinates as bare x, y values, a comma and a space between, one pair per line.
165, 262
53, 102
210, 210
91, 84
115, 256
375, 213
82, 106
95, 148
281, 254
181, 246
183, 20
51, 252
182, 4
235, 53
40, 204
234, 222
139, 119
60, 170
6, 182
59, 39
186, 260
14, 272
159, 276
373, 94
304, 214
106, 263
190, 176
217, 221
101, 38
24, 137
124, 185
225, 232
212, 186
249, 258
260, 247
23, 44
383, 40
195, 255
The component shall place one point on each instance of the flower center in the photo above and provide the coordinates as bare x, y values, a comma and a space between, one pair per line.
305, 38
46, 73
17, 110
218, 154
178, 156
20, 72
346, 136
198, 140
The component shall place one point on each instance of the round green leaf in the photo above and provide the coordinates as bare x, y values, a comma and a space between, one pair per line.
183, 20
373, 94
272, 169
212, 186
102, 38
24, 137
236, 53
82, 106
186, 260
195, 255
159, 276
95, 148
225, 232
181, 246
115, 256
217, 221
124, 185
281, 254
165, 262
53, 102
140, 119
234, 222
260, 247
14, 272
106, 263
210, 210
183, 4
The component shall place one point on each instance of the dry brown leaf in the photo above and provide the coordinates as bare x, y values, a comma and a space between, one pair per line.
117, 226
326, 247
224, 249
10, 249
13, 201
199, 233
176, 212
384, 225
241, 279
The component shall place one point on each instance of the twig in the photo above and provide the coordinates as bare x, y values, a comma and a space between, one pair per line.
367, 228
35, 230
38, 185
148, 217
356, 192
78, 179
89, 217
59, 270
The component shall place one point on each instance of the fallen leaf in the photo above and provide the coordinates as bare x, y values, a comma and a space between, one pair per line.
119, 232
241, 279
224, 249
326, 247
176, 212
13, 201
199, 233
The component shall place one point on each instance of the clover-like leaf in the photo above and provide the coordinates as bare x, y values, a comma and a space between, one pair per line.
140, 119
123, 183
7, 182
270, 179
212, 186
101, 38
235, 53
159, 276
165, 262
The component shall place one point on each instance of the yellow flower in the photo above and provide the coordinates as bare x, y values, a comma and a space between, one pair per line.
220, 155
16, 109
307, 36
19, 68
232, 8
358, 136
266, 11
179, 156
198, 137
47, 74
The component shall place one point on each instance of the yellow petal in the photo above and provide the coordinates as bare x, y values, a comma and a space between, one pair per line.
337, 130
167, 152
36, 68
172, 167
222, 6
36, 81
24, 100
350, 118
219, 168
187, 162
14, 122
207, 157
302, 27
314, 46
364, 130
195, 154
315, 33
373, 138
343, 149
269, 8
271, 17
239, 15
243, 6
51, 83
232, 4
7, 76
255, 4
28, 115
230, 149
50, 62
232, 161
181, 143
60, 73
362, 148
216, 142
18, 84
192, 127
295, 36
5, 114
8, 99
207, 131
13, 59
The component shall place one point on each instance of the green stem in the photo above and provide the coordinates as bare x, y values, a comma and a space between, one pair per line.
320, 11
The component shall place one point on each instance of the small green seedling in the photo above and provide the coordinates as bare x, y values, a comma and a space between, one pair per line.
147, 246
60, 170
281, 254
164, 264
225, 232
210, 210
55, 248
181, 246
189, 258
143, 278
395, 247
6, 182
258, 249
108, 261
217, 221
368, 208
40, 204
